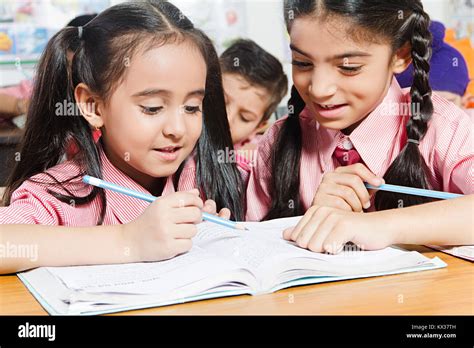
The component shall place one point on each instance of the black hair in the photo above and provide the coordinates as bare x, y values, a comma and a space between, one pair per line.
79, 21
398, 22
118, 33
258, 67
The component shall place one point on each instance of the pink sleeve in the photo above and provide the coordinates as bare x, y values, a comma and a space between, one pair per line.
258, 189
455, 154
244, 168
470, 112
31, 205
23, 90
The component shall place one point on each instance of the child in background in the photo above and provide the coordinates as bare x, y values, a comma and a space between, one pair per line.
448, 75
158, 101
350, 123
464, 46
14, 100
254, 84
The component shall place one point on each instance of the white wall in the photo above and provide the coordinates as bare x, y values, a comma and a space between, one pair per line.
437, 9
265, 25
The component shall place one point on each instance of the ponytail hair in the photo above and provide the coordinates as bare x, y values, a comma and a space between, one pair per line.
285, 164
409, 168
48, 133
219, 180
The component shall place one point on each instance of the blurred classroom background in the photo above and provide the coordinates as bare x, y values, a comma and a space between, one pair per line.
26, 26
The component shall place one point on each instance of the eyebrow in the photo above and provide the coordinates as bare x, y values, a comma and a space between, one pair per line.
352, 54
339, 56
294, 48
166, 93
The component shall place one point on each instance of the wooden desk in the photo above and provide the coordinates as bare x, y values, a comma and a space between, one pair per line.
438, 292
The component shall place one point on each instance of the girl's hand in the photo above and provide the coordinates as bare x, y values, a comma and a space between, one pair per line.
344, 188
211, 208
166, 227
324, 229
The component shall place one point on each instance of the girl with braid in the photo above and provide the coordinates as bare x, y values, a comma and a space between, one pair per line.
350, 122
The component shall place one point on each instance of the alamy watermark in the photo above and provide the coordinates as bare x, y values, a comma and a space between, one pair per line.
68, 108
249, 156
24, 251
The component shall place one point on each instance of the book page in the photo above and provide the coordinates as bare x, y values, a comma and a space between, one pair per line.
272, 259
250, 249
463, 251
148, 278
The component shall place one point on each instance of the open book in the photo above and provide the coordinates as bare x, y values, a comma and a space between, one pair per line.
465, 252
222, 262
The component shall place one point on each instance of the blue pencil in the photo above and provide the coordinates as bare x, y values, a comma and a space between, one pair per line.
414, 191
149, 198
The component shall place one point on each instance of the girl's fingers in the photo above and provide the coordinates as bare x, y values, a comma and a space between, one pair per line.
326, 226
225, 213
293, 233
182, 246
184, 199
312, 227
210, 207
287, 232
355, 183
340, 198
184, 231
336, 239
363, 172
186, 215
308, 231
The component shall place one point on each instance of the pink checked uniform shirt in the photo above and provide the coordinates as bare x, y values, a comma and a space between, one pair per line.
447, 149
32, 204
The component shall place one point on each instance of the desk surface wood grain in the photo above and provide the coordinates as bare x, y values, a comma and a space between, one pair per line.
446, 291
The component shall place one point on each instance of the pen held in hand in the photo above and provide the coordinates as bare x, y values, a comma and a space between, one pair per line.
150, 198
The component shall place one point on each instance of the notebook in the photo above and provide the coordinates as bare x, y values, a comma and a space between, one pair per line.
222, 262
465, 252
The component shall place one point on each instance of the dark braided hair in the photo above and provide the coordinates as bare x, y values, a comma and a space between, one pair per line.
285, 161
399, 22
409, 168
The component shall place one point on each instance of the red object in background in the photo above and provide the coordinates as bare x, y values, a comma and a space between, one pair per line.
231, 17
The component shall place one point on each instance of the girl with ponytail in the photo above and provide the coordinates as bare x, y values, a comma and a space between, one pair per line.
144, 76
350, 122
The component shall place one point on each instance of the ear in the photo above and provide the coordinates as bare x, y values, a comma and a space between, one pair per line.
89, 105
402, 59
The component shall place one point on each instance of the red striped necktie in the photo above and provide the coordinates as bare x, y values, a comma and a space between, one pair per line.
347, 154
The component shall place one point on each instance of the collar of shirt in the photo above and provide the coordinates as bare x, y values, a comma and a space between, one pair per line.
373, 139
126, 208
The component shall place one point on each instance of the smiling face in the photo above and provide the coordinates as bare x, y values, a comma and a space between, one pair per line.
153, 119
245, 105
340, 80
